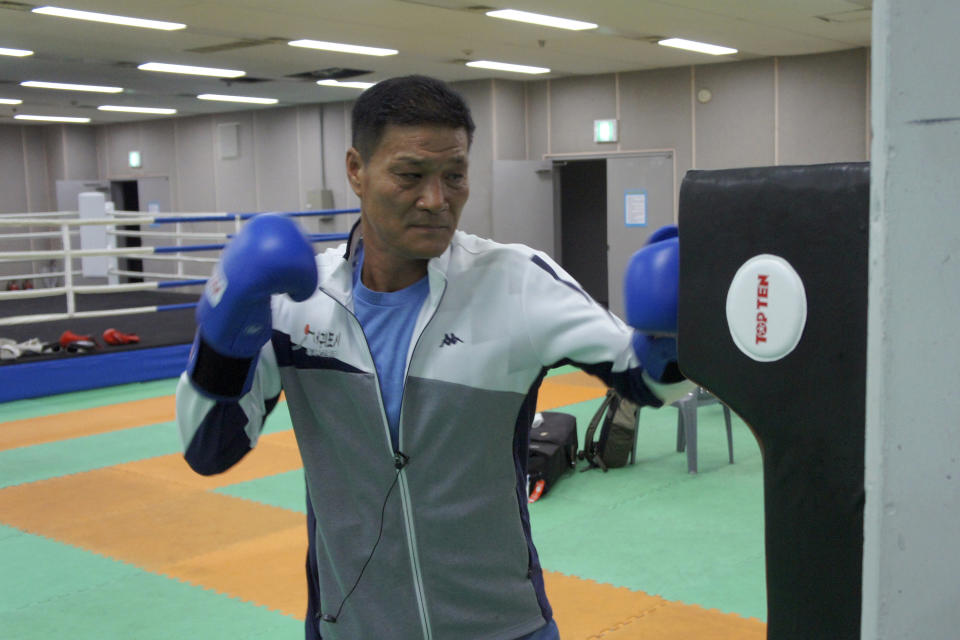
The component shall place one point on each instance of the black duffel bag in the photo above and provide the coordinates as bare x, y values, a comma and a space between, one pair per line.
552, 452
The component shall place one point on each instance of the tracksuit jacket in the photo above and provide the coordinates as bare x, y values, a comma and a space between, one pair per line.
439, 527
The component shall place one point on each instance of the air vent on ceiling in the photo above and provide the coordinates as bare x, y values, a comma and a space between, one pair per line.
238, 44
16, 6
330, 73
243, 80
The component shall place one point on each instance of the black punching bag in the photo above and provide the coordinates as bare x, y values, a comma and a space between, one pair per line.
773, 319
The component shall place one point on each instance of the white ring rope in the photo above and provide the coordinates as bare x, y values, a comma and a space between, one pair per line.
35, 234
167, 234
50, 317
181, 258
22, 256
40, 214
154, 274
71, 224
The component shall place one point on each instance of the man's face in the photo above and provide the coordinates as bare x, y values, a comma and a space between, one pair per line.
412, 188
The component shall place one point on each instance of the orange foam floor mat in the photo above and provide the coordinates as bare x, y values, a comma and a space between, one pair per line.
157, 514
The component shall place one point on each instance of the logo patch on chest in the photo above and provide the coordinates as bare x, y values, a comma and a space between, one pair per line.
450, 339
323, 343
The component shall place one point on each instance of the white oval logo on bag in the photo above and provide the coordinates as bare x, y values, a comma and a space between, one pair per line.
766, 308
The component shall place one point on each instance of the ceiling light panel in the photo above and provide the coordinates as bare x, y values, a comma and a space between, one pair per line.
19, 53
343, 48
699, 47
190, 70
10, 101
65, 86
154, 110
23, 116
248, 99
506, 66
541, 19
108, 18
348, 84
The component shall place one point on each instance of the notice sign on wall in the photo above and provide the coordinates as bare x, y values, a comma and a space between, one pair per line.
635, 207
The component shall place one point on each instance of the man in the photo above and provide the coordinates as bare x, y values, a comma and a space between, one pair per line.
410, 359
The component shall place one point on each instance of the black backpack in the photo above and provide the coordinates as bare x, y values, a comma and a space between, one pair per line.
552, 452
616, 443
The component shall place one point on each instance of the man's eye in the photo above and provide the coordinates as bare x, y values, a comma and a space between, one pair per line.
456, 177
410, 176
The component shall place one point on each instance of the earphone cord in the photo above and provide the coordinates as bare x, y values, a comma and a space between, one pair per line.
400, 462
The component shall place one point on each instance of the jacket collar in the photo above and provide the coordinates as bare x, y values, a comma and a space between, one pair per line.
339, 284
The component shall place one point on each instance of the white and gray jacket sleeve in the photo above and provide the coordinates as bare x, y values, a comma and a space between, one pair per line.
217, 433
566, 326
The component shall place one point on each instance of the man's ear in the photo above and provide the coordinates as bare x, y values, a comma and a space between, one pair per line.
355, 169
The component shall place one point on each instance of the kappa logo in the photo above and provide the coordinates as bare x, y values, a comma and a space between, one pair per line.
450, 339
322, 343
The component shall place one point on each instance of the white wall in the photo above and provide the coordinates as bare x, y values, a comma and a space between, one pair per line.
804, 109
911, 573
793, 110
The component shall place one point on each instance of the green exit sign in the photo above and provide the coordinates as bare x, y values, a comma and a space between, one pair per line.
605, 130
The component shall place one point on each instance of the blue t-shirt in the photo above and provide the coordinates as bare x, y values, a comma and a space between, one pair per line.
388, 320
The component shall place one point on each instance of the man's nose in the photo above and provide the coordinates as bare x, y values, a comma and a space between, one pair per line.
434, 195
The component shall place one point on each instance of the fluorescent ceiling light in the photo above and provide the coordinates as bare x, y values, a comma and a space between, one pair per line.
106, 17
343, 48
19, 53
214, 96
543, 20
189, 70
505, 66
10, 101
36, 84
699, 47
21, 116
349, 85
157, 110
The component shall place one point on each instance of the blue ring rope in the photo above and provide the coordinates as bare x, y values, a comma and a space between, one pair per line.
229, 217
179, 283
174, 307
313, 237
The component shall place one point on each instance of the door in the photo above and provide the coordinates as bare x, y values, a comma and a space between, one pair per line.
581, 189
640, 199
153, 194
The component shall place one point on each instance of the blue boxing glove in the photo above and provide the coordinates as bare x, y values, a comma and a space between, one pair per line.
270, 255
651, 284
650, 291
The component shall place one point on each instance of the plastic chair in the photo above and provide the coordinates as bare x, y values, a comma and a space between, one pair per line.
687, 424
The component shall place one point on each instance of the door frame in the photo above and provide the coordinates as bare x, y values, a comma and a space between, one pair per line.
607, 155
602, 155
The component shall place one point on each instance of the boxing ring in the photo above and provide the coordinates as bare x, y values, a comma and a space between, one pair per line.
95, 297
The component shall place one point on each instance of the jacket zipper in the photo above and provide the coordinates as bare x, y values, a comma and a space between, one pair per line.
405, 500
395, 455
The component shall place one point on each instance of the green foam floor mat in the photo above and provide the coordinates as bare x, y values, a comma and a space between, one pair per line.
75, 455
653, 527
285, 490
63, 592
60, 403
